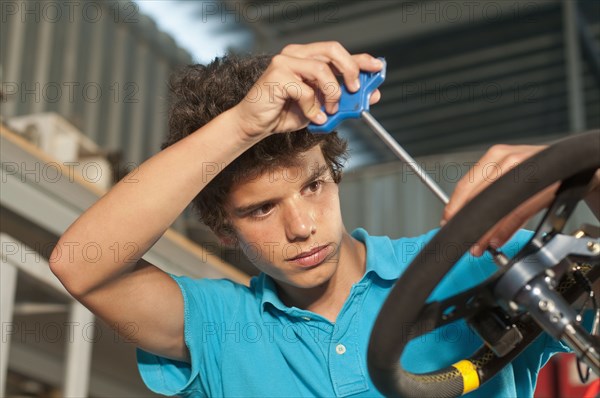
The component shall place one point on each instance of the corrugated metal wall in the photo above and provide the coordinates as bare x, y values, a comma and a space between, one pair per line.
102, 65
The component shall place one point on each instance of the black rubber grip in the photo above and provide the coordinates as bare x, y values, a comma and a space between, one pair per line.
566, 158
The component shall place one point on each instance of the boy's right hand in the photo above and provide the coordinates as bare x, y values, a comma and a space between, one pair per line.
289, 94
505, 158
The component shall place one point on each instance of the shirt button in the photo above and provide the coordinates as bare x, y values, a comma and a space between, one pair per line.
306, 318
340, 349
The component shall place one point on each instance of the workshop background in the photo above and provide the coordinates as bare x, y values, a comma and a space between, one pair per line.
84, 100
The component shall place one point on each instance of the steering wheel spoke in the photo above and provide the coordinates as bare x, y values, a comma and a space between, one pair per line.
569, 194
460, 306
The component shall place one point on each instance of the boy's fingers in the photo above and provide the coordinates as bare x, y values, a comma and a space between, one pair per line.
375, 97
470, 184
368, 62
510, 224
349, 66
501, 158
310, 106
458, 199
303, 73
330, 52
320, 76
497, 161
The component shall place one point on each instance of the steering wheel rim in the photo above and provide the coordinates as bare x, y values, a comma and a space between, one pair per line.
567, 158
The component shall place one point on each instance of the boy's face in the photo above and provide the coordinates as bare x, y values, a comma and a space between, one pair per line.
288, 221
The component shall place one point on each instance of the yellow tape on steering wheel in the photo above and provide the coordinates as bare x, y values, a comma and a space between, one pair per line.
469, 374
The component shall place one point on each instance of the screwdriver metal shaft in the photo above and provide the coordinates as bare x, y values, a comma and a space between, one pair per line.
403, 155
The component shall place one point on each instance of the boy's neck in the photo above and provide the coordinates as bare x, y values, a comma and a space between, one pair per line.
328, 299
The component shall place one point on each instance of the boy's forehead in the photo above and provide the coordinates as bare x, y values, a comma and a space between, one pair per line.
303, 167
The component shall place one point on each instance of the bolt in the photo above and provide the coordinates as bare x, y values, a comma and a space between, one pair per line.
550, 281
594, 247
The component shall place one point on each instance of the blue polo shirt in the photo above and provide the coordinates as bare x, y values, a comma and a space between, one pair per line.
244, 342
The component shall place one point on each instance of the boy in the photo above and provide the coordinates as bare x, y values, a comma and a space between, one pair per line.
301, 328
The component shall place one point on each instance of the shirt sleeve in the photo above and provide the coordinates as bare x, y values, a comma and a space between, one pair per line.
208, 304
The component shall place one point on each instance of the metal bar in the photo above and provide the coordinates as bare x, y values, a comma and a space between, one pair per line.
589, 45
118, 68
69, 71
576, 99
13, 63
402, 154
159, 122
8, 286
79, 352
94, 75
32, 308
42, 60
137, 129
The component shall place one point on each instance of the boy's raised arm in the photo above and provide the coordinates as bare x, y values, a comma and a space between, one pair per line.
138, 210
132, 217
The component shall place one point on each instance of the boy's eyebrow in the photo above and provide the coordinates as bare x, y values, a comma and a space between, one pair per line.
316, 174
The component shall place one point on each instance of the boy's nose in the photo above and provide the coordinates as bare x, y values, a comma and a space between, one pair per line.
299, 223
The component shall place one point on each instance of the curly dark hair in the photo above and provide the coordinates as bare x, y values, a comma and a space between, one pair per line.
200, 93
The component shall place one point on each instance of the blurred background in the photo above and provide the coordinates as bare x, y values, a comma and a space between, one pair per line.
84, 99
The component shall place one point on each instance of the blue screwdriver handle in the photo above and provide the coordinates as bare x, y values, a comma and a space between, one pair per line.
351, 105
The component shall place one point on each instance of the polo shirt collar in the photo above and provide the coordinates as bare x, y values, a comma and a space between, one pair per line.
269, 293
381, 261
381, 256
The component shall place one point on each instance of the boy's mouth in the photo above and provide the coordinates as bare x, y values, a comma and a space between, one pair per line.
311, 257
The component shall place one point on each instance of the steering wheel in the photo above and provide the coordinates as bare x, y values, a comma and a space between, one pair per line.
532, 292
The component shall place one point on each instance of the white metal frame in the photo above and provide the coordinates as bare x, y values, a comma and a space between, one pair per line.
79, 347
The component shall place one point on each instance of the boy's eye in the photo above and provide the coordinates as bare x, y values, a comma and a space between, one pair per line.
262, 211
315, 185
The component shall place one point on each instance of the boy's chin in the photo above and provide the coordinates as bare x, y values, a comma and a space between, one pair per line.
313, 281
